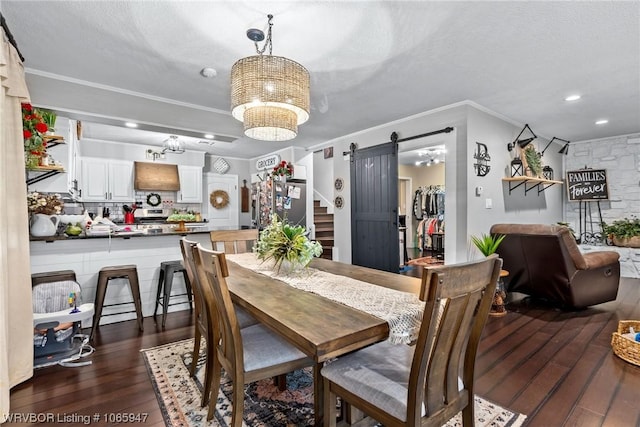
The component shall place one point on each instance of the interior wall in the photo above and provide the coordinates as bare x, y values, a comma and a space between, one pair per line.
415, 125
620, 157
323, 184
535, 208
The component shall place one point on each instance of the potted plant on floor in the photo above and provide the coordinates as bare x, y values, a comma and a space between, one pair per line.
623, 232
488, 244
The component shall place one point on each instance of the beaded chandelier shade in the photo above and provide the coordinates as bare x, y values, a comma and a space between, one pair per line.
269, 94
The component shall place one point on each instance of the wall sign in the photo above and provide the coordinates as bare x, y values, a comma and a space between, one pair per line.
268, 162
587, 184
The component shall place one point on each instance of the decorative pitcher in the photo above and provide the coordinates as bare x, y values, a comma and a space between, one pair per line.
44, 225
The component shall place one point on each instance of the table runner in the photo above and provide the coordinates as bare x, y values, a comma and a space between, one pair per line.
401, 310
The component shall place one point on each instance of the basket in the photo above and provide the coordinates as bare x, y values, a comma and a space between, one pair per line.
623, 347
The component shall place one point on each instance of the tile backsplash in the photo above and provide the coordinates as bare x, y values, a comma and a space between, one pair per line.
167, 201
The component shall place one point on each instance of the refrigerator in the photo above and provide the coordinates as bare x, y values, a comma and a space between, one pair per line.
285, 198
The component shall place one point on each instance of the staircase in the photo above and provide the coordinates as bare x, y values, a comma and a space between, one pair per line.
324, 229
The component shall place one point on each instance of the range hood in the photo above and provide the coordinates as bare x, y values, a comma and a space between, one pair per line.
156, 177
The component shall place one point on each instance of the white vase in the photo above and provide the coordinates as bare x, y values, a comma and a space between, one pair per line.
43, 225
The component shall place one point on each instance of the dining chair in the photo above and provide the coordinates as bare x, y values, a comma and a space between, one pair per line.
428, 383
248, 354
204, 324
234, 241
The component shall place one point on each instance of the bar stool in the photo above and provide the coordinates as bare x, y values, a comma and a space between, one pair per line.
165, 282
128, 272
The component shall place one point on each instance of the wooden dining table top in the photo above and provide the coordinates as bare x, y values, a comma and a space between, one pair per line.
321, 328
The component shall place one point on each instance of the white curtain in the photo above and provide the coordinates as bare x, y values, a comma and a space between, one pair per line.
16, 317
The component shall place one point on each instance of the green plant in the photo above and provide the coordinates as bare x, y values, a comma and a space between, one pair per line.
487, 243
281, 241
533, 160
622, 228
49, 118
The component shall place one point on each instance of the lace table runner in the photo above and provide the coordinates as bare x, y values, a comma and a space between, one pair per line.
401, 310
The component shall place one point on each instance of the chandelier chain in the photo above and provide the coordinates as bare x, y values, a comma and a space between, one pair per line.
267, 42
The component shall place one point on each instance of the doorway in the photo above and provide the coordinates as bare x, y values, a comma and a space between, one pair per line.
421, 181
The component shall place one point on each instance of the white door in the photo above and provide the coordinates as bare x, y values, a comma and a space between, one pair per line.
228, 216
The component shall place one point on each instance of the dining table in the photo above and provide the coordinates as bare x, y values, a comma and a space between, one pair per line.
325, 327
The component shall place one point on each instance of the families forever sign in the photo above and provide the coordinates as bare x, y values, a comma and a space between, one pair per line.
587, 184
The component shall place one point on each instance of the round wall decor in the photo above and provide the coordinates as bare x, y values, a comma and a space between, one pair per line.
221, 166
219, 199
338, 184
339, 202
153, 199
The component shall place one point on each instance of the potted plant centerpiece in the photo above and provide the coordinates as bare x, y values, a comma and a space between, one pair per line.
487, 244
286, 244
624, 232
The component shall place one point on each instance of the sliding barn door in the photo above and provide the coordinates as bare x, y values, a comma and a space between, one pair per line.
374, 207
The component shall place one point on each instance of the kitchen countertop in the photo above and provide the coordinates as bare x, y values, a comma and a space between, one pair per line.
139, 230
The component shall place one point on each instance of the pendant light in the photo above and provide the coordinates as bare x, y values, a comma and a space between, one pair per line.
269, 94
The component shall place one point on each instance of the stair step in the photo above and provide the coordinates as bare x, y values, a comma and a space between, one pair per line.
324, 230
323, 218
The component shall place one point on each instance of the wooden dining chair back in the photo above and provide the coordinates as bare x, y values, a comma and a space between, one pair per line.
429, 383
234, 241
246, 354
204, 327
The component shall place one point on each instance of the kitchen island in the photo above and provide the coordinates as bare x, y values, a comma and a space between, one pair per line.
86, 255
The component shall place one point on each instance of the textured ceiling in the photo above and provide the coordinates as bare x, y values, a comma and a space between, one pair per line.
370, 63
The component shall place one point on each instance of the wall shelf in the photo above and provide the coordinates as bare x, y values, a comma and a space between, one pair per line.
53, 140
530, 183
43, 172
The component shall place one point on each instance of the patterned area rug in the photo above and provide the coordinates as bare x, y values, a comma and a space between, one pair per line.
179, 396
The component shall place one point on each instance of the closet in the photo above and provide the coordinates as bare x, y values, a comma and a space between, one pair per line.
428, 210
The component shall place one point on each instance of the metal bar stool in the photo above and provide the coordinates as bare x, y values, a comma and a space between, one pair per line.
128, 272
165, 282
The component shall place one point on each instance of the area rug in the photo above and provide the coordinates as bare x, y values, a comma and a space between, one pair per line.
179, 396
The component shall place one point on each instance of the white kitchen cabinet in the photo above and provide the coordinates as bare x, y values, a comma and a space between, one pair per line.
190, 184
106, 180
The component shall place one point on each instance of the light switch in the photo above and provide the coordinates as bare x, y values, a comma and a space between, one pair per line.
479, 190
488, 203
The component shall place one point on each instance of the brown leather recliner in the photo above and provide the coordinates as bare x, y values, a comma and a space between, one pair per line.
544, 261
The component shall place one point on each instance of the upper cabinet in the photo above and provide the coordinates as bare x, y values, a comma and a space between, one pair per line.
190, 184
106, 180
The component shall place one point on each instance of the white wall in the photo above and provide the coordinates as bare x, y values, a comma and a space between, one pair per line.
542, 208
323, 172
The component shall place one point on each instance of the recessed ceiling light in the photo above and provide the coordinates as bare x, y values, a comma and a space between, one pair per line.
208, 136
131, 125
602, 122
572, 98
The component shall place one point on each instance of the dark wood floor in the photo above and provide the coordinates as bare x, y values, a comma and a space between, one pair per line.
556, 367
